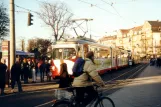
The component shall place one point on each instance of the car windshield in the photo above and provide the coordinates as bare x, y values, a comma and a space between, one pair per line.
64, 53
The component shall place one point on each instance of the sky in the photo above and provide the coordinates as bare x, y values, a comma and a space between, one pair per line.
123, 14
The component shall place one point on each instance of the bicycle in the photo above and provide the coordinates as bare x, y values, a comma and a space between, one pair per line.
99, 101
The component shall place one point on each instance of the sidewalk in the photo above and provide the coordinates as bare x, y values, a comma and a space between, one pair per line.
144, 91
34, 86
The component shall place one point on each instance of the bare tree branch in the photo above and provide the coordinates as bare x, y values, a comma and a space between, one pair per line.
4, 22
57, 17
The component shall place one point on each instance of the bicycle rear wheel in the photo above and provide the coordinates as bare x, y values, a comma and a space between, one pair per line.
62, 104
104, 102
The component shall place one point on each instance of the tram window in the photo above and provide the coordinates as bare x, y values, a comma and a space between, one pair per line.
103, 53
69, 53
64, 53
57, 53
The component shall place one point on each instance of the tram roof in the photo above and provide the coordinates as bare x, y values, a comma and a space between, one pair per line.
77, 40
91, 42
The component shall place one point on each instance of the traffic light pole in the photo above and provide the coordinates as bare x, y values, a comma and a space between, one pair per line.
12, 33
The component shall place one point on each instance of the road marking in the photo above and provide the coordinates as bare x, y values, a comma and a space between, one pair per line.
44, 104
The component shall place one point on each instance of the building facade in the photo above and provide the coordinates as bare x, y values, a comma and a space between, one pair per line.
143, 41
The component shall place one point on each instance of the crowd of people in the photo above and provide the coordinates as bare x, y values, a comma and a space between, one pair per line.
23, 70
156, 62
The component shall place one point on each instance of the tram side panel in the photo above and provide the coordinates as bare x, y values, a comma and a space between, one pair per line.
114, 59
103, 60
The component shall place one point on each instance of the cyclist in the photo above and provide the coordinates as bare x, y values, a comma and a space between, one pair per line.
83, 83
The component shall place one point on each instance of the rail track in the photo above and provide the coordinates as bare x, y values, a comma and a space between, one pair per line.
116, 81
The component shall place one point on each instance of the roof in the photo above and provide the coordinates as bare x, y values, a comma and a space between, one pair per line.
108, 38
124, 31
23, 53
155, 25
138, 28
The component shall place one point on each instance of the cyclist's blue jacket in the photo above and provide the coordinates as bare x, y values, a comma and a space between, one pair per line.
90, 71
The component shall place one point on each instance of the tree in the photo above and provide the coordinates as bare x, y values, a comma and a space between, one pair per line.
39, 46
4, 22
57, 17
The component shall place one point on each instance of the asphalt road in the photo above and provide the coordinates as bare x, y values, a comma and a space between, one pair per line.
42, 98
27, 99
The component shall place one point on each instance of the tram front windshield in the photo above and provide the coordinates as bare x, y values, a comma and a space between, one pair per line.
64, 53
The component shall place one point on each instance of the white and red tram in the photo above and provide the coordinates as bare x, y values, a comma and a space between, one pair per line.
106, 58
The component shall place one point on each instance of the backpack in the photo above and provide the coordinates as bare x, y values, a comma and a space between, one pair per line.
78, 67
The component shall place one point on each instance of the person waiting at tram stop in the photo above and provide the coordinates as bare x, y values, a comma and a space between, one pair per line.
25, 70
48, 72
3, 69
64, 76
15, 75
84, 83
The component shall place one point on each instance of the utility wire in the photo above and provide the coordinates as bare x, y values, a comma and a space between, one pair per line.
26, 9
38, 12
92, 5
21, 11
111, 4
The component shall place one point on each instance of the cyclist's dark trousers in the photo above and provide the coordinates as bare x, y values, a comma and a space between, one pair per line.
80, 92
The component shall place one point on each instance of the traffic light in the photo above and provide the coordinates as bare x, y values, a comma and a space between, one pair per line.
30, 19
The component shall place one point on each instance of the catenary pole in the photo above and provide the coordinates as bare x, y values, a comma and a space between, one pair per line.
12, 33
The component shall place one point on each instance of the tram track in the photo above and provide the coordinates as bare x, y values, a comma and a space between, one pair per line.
123, 79
115, 83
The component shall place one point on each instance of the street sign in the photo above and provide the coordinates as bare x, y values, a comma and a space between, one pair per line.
5, 52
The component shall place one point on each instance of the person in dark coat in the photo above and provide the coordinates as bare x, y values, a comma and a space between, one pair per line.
3, 69
42, 71
64, 76
25, 70
15, 76
48, 71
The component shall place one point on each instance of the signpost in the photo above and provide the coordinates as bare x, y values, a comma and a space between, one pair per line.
6, 52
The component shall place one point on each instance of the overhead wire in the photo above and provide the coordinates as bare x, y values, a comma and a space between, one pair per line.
111, 4
92, 5
29, 10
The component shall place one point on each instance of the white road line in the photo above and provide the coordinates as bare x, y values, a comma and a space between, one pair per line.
44, 104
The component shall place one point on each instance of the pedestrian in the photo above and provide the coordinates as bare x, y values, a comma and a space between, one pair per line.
33, 70
30, 70
84, 83
22, 72
25, 70
36, 68
15, 75
42, 71
3, 69
64, 76
48, 71
7, 75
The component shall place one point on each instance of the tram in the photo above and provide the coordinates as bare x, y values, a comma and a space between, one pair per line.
106, 57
